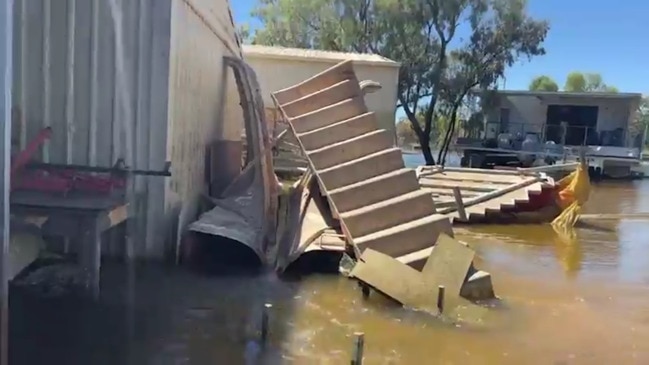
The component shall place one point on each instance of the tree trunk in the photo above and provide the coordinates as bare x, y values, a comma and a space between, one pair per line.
424, 142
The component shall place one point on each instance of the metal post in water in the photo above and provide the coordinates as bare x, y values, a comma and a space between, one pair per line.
264, 323
441, 291
359, 344
6, 72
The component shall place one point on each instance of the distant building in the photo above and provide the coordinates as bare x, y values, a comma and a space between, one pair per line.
551, 123
279, 67
590, 118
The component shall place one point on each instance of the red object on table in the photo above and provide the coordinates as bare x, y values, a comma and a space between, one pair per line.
57, 180
22, 158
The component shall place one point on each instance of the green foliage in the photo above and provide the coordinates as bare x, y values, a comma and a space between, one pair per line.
642, 118
243, 33
586, 82
643, 111
407, 135
543, 83
421, 35
575, 82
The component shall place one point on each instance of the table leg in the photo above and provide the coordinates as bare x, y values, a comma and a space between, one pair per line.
129, 255
130, 310
66, 245
91, 258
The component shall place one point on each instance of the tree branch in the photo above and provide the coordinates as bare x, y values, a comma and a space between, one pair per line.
412, 118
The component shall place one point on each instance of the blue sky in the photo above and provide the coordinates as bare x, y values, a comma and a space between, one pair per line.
610, 38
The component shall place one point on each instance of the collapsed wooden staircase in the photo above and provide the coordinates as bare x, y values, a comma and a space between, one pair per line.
377, 200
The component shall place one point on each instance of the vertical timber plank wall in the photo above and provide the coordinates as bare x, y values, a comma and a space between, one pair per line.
202, 98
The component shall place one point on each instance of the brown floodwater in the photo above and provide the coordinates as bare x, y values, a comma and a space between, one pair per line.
580, 300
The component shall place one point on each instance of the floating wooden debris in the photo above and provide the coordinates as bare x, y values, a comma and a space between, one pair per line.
448, 266
613, 216
468, 194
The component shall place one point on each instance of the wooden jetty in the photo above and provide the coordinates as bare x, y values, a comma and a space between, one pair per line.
470, 194
376, 199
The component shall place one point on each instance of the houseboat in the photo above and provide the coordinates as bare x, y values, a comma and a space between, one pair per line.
526, 128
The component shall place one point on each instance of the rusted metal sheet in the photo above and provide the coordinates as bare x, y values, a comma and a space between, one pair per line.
245, 211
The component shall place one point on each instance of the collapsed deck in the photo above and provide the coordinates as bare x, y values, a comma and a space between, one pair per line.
471, 195
377, 200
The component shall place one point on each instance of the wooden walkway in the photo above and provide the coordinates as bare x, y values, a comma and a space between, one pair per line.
470, 194
377, 200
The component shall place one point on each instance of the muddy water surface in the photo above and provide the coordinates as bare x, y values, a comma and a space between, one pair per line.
565, 301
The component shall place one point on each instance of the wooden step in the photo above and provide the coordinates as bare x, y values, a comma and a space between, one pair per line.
388, 213
336, 93
343, 71
364, 168
478, 187
476, 177
329, 115
407, 237
337, 132
350, 149
416, 259
448, 192
375, 189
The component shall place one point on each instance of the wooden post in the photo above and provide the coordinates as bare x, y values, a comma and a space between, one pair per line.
359, 344
582, 157
365, 289
264, 323
564, 132
441, 291
457, 193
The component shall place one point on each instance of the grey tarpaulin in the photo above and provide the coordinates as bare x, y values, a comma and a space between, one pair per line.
245, 211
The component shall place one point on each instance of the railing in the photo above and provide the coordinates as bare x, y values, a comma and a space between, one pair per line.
562, 134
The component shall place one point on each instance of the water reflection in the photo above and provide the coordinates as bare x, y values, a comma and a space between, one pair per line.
569, 250
179, 318
541, 241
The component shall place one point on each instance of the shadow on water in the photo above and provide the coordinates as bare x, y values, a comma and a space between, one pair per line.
176, 316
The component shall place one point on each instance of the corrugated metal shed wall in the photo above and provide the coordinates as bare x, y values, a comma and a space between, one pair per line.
93, 71
203, 98
69, 66
68, 71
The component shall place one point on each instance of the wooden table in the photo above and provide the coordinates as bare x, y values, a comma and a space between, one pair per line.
77, 216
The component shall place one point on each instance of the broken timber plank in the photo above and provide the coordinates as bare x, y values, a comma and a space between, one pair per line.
448, 265
390, 277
